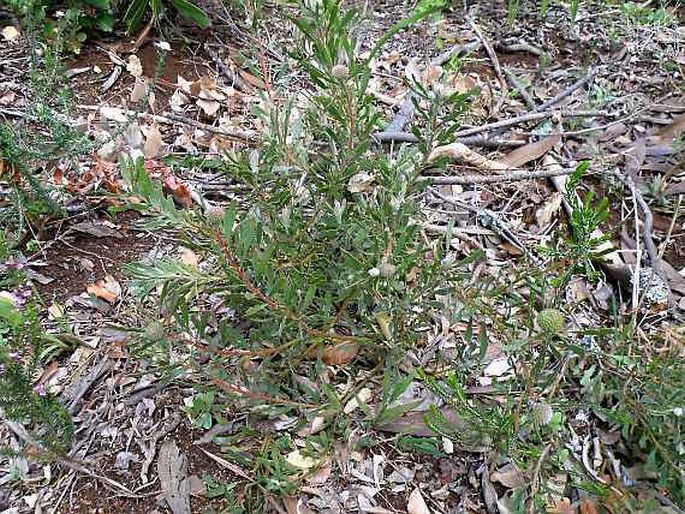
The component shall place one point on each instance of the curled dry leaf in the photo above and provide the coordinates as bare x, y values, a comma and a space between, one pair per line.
178, 190
134, 66
139, 91
153, 142
107, 289
340, 353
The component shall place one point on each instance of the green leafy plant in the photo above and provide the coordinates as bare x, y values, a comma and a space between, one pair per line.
31, 148
22, 400
320, 261
134, 14
68, 25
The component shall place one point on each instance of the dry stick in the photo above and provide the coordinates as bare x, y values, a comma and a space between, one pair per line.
235, 79
407, 110
647, 237
495, 63
535, 485
566, 92
72, 464
512, 176
520, 47
534, 116
169, 119
482, 141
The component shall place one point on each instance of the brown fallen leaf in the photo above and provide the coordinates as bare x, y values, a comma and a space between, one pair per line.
530, 152
340, 353
251, 79
107, 289
672, 130
545, 213
588, 506
509, 476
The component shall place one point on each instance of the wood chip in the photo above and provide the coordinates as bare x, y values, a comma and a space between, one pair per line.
172, 471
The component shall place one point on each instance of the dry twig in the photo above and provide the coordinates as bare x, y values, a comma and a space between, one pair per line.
566, 92
495, 64
510, 176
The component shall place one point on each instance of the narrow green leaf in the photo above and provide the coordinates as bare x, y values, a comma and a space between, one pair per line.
192, 12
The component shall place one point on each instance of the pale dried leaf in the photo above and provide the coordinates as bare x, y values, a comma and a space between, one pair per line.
509, 476
113, 113
360, 183
210, 107
153, 143
189, 257
297, 460
178, 100
139, 91
363, 396
184, 84
545, 213
497, 367
416, 503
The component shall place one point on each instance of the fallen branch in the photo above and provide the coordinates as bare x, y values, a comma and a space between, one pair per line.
566, 92
534, 116
461, 153
477, 140
511, 176
169, 118
521, 46
495, 64
520, 89
647, 220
